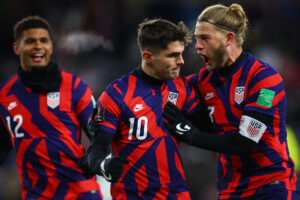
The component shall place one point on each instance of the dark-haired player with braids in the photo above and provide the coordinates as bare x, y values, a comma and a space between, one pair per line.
146, 163
247, 103
42, 113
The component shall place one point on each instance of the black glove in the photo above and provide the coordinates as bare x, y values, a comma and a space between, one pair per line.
178, 124
82, 164
112, 168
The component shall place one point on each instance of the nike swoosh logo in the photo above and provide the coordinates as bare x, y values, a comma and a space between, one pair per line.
184, 129
209, 96
137, 109
108, 177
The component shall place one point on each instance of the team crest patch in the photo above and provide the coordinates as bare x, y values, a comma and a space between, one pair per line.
99, 116
254, 128
53, 99
239, 94
265, 98
172, 97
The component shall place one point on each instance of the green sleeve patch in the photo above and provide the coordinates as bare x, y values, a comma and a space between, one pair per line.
265, 98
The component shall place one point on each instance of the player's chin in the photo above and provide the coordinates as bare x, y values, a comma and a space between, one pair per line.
174, 74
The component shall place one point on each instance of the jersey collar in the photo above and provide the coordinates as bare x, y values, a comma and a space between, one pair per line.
148, 79
227, 69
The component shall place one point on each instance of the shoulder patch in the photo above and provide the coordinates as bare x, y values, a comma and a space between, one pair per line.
265, 97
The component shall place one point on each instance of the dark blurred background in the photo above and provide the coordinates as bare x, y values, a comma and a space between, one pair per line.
96, 40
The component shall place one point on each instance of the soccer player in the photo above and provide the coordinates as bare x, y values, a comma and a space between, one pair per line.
146, 163
42, 112
247, 103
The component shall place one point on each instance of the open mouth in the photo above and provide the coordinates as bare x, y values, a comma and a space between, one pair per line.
37, 57
205, 58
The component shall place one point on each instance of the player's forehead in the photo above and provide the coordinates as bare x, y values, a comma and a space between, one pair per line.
175, 46
35, 33
204, 28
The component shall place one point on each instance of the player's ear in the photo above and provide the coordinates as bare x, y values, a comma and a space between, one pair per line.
16, 48
147, 56
230, 38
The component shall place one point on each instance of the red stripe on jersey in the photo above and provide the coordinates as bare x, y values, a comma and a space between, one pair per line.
50, 189
65, 91
224, 163
260, 158
290, 184
289, 196
259, 70
162, 162
179, 165
32, 175
254, 181
66, 161
134, 156
131, 102
19, 160
162, 193
278, 98
84, 101
193, 106
31, 129
131, 86
236, 175
118, 191
53, 120
7, 87
109, 125
254, 69
41, 151
75, 120
184, 195
268, 82
110, 105
220, 110
279, 147
59, 126
77, 81
116, 87
76, 149
143, 184
180, 86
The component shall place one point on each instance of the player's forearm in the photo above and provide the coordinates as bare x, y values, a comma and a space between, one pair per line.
98, 150
234, 143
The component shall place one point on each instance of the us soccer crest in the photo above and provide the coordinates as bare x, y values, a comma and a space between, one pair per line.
172, 97
239, 94
254, 128
53, 99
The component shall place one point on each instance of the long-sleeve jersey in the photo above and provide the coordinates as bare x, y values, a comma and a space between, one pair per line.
249, 88
133, 108
45, 131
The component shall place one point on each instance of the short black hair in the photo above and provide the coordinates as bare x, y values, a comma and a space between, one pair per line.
156, 34
31, 22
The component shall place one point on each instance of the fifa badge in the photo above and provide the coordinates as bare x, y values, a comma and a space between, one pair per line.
239, 94
53, 99
99, 116
172, 97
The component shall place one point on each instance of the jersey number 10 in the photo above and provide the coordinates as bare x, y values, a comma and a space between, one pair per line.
139, 134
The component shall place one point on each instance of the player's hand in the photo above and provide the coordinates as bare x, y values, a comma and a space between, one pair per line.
112, 168
178, 124
82, 164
